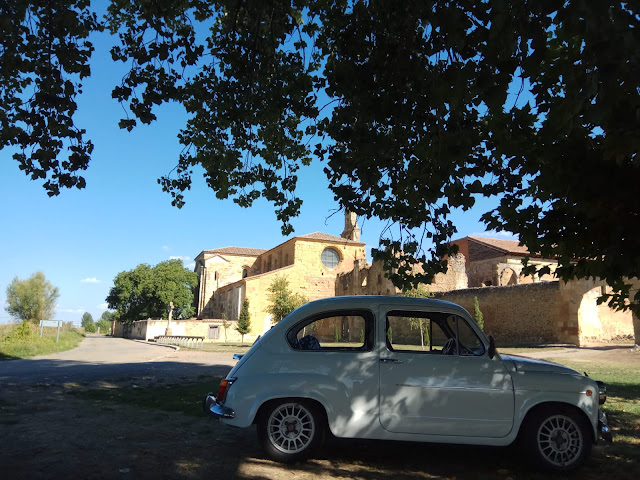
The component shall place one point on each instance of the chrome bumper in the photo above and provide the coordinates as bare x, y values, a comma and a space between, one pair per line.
603, 427
210, 406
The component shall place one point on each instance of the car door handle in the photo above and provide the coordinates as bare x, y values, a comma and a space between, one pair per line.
390, 360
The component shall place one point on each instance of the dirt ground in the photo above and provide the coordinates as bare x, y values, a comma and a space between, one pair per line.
46, 432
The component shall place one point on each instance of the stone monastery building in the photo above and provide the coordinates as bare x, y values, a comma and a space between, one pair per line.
311, 263
516, 308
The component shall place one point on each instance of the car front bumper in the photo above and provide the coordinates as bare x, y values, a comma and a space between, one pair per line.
211, 406
603, 427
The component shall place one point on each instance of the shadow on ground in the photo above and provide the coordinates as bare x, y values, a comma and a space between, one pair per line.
48, 433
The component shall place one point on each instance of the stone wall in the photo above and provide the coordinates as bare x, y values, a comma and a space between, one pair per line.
596, 323
546, 312
221, 269
518, 314
278, 257
367, 279
506, 270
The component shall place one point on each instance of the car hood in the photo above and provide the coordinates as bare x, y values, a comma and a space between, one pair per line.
524, 364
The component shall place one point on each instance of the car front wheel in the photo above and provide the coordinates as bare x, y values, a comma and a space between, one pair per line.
557, 441
289, 430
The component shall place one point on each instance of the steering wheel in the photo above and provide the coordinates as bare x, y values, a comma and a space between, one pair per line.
449, 347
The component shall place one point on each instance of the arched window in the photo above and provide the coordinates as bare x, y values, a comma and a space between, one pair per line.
330, 258
245, 273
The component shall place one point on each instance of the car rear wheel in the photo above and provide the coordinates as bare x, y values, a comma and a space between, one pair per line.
557, 440
290, 430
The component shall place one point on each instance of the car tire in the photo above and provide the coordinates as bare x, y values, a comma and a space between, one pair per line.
557, 439
289, 430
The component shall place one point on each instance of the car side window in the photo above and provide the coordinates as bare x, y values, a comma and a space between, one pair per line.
341, 331
468, 341
431, 333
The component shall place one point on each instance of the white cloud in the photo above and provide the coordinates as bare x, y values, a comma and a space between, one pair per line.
165, 248
90, 280
190, 266
180, 257
102, 306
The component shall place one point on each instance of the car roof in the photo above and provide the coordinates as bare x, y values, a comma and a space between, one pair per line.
373, 301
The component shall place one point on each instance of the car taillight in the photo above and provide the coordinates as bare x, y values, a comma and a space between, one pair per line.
224, 388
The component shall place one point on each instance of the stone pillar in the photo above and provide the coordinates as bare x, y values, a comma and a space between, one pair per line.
168, 330
202, 290
355, 288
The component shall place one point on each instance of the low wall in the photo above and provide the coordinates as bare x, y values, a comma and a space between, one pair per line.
519, 314
152, 328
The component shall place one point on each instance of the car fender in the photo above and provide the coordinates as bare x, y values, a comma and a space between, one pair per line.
528, 400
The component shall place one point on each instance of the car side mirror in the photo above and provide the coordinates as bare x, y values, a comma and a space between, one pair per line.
492, 347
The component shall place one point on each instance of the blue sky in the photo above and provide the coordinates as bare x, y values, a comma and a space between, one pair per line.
82, 239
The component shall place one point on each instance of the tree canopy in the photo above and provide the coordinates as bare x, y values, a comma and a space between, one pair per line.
87, 323
416, 109
145, 292
104, 323
87, 319
282, 301
33, 299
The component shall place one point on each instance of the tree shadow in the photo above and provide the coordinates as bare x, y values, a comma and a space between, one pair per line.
4, 356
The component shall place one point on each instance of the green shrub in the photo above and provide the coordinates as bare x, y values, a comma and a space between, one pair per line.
477, 313
104, 325
24, 341
22, 331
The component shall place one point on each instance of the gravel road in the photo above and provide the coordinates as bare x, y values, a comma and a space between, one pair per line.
105, 358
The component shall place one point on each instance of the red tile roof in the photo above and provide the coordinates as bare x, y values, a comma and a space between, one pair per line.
241, 251
507, 246
327, 238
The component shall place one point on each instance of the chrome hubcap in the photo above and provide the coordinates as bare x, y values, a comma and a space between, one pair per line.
291, 428
560, 440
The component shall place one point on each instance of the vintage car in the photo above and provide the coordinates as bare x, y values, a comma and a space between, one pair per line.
397, 368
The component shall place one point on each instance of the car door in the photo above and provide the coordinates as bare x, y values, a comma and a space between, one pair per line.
334, 361
436, 378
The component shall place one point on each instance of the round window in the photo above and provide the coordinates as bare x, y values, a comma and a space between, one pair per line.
330, 258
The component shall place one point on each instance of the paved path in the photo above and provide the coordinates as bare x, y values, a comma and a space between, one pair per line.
591, 353
104, 358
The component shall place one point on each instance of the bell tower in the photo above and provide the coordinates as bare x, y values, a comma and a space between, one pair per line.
351, 229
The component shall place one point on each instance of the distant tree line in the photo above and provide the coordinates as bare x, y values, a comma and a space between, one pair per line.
146, 291
103, 325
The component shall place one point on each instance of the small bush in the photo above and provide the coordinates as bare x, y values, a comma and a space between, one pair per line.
22, 331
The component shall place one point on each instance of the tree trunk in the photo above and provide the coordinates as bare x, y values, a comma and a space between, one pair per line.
635, 310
